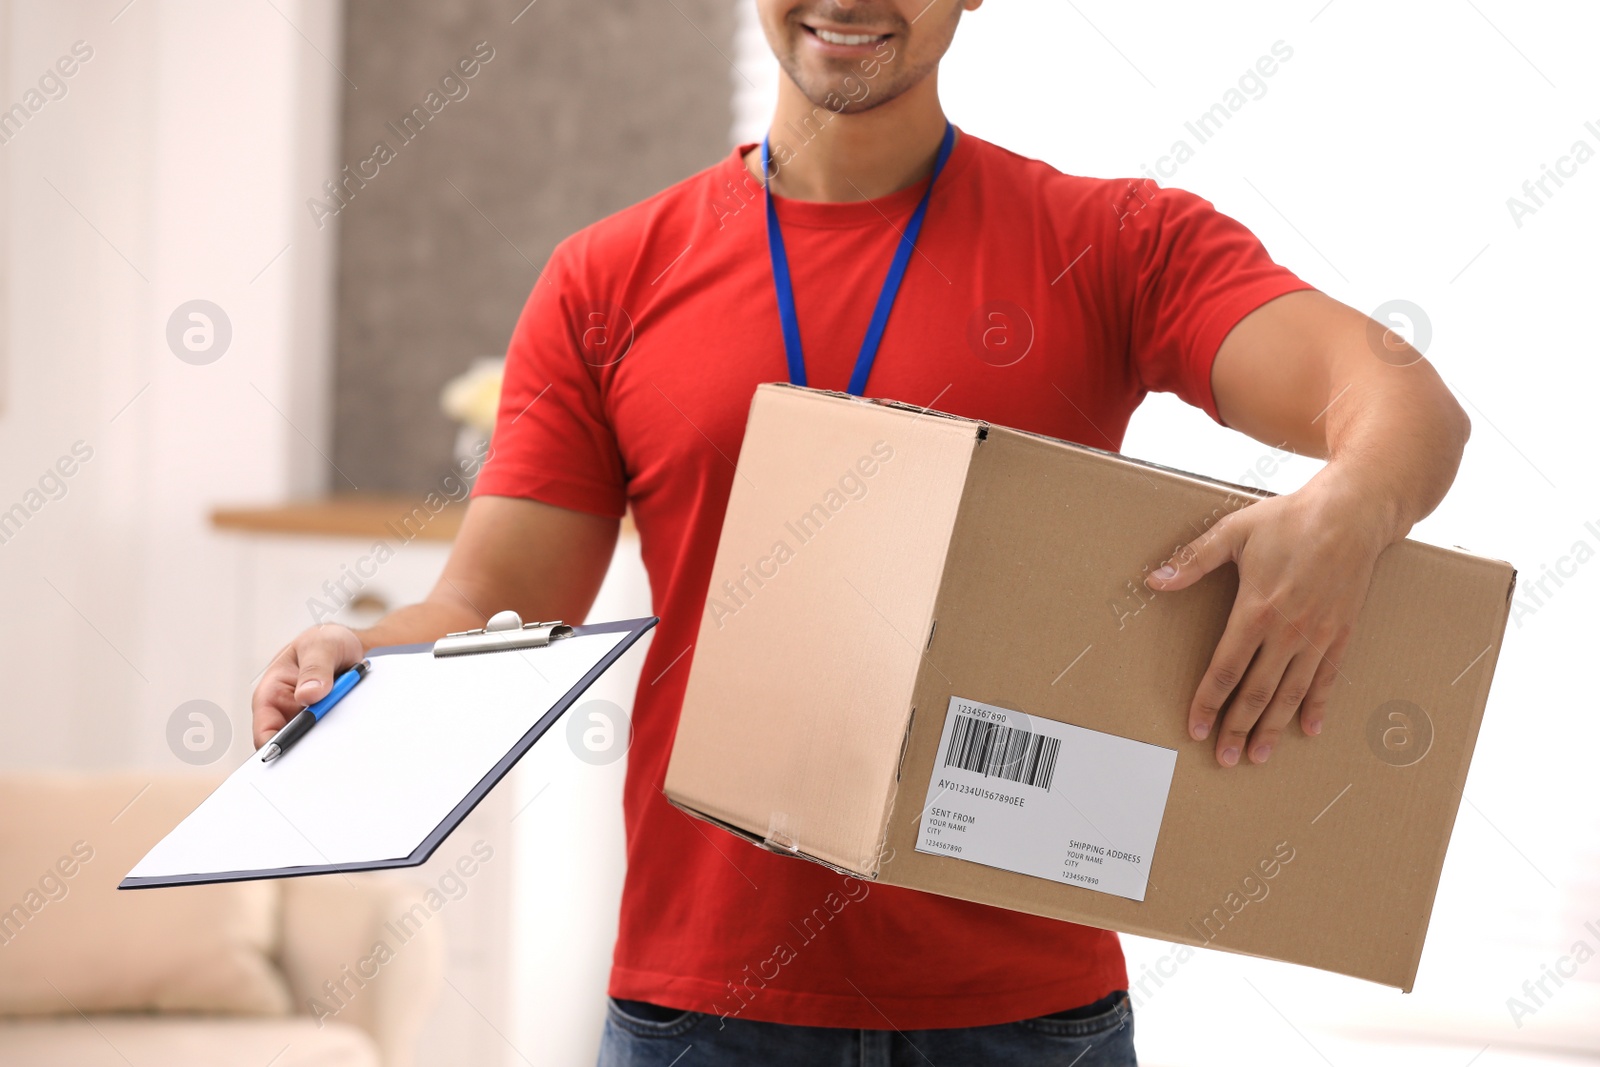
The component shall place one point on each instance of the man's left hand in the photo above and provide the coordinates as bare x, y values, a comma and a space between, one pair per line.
1304, 563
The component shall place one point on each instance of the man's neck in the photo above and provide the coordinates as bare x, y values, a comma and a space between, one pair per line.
858, 156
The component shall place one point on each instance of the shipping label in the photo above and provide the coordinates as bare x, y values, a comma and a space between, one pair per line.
1045, 798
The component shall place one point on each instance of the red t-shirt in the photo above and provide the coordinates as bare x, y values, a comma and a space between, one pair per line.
1035, 299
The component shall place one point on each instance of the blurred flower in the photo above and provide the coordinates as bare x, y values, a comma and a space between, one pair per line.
473, 397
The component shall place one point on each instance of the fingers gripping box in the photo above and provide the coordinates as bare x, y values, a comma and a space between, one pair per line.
929, 659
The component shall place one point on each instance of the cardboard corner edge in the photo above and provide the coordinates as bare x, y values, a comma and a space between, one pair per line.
696, 797
1406, 982
744, 834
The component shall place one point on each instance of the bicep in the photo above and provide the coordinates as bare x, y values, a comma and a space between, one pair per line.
539, 560
1282, 365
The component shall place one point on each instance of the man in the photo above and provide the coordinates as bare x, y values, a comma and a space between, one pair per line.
627, 385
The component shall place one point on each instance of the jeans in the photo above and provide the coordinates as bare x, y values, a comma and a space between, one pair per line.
643, 1035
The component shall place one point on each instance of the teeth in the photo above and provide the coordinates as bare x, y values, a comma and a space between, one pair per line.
846, 38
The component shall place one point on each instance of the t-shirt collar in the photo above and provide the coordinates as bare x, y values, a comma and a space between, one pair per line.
818, 214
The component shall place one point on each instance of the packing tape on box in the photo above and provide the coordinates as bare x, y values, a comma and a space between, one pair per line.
780, 836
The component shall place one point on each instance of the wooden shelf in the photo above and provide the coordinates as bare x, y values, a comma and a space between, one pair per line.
384, 516
390, 516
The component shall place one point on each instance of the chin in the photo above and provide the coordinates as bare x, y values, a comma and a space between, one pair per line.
841, 88
830, 96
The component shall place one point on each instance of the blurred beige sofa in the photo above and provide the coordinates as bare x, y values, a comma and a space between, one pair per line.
331, 970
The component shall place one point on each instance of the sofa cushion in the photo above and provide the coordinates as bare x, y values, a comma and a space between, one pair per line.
177, 1041
71, 942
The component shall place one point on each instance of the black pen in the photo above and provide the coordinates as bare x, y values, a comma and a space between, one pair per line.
301, 724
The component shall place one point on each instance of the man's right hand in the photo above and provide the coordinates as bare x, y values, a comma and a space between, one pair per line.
301, 674
542, 561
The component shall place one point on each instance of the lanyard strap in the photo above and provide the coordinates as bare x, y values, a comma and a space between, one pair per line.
891, 284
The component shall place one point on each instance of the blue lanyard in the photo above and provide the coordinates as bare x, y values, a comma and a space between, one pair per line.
891, 284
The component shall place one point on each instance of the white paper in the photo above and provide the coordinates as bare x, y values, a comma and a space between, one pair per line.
383, 768
1045, 798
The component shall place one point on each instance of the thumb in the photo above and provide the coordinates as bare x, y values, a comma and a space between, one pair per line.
1198, 558
321, 654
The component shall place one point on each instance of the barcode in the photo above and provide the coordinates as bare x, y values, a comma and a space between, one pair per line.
998, 751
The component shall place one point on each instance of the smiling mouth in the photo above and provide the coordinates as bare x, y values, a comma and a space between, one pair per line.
846, 39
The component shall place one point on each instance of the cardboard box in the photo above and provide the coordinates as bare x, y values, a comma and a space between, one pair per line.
884, 570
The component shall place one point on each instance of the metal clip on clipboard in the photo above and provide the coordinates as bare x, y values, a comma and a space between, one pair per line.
505, 630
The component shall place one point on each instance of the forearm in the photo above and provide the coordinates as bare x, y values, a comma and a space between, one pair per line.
1394, 438
417, 623
1306, 372
542, 561
1302, 371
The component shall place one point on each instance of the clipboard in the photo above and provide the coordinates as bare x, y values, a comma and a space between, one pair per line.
398, 764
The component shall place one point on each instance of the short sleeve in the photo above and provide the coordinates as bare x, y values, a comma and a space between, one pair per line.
1188, 275
552, 439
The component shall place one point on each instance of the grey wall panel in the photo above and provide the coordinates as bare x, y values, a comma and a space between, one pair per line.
586, 107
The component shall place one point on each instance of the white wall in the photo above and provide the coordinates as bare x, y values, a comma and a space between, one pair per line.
175, 167
1378, 165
